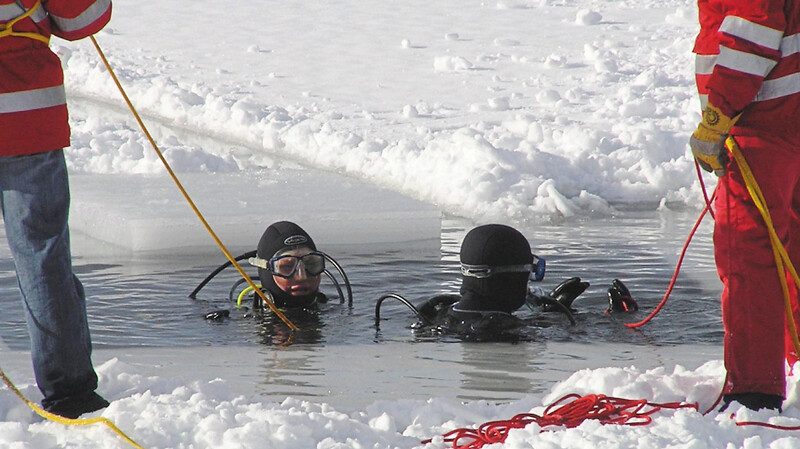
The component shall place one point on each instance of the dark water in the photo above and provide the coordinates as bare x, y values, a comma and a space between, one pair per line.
140, 314
141, 300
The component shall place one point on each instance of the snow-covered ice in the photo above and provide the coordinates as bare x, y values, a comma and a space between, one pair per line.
238, 206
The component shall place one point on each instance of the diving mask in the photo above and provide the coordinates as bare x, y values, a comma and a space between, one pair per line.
286, 266
536, 269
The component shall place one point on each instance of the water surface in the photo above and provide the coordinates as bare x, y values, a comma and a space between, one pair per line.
139, 311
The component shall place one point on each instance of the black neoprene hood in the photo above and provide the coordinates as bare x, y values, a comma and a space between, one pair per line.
494, 245
279, 237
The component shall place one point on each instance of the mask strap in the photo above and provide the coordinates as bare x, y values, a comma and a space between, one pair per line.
259, 262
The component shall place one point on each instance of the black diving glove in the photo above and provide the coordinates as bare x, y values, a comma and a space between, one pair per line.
620, 299
430, 309
561, 297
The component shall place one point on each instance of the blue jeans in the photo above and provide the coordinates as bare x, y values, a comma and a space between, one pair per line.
35, 198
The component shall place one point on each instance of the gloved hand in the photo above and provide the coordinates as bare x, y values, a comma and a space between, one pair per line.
620, 299
708, 140
565, 293
431, 308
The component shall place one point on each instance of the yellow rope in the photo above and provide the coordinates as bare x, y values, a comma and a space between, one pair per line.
67, 421
778, 250
7, 29
186, 195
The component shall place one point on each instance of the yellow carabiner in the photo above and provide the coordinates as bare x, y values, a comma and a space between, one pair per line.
7, 29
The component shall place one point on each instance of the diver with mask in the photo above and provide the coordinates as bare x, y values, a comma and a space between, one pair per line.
289, 266
290, 270
496, 266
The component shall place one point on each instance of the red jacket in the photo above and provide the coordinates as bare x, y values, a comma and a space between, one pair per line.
33, 108
748, 61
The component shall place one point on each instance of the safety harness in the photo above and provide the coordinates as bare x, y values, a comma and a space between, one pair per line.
7, 29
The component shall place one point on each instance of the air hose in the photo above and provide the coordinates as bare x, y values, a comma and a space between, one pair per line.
249, 254
404, 301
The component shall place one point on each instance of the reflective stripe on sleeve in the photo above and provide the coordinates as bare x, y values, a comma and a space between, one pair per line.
744, 62
779, 87
704, 64
86, 18
28, 100
790, 45
12, 11
703, 102
753, 32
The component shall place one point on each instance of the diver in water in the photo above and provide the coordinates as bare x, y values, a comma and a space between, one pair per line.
290, 270
289, 266
496, 265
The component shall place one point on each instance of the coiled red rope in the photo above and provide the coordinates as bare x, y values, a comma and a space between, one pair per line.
569, 411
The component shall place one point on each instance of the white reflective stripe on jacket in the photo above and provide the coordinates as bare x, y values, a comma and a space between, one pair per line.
85, 19
14, 10
27, 100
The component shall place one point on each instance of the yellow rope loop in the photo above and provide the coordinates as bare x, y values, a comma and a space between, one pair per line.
7, 29
778, 250
186, 196
67, 421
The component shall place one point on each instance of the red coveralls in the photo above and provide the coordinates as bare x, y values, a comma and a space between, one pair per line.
33, 110
748, 62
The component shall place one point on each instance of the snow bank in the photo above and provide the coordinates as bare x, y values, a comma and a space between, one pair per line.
167, 412
531, 111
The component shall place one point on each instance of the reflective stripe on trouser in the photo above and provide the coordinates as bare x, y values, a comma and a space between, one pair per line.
752, 299
35, 203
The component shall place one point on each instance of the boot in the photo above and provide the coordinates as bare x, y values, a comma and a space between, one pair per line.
753, 401
75, 406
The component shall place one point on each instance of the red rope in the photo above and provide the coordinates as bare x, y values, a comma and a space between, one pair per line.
677, 268
569, 411
705, 192
707, 209
767, 425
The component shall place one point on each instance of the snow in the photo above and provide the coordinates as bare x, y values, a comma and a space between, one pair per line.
161, 411
508, 111
511, 111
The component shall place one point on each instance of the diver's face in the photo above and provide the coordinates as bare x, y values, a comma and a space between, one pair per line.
300, 283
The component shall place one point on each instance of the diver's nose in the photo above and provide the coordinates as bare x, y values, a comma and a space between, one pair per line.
300, 273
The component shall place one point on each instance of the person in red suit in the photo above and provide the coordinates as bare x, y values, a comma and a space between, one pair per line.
748, 77
34, 193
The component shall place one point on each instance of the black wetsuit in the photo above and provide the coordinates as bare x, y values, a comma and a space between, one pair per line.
284, 301
442, 314
462, 315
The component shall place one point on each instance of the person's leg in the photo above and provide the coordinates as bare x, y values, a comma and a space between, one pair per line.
793, 250
35, 203
752, 299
